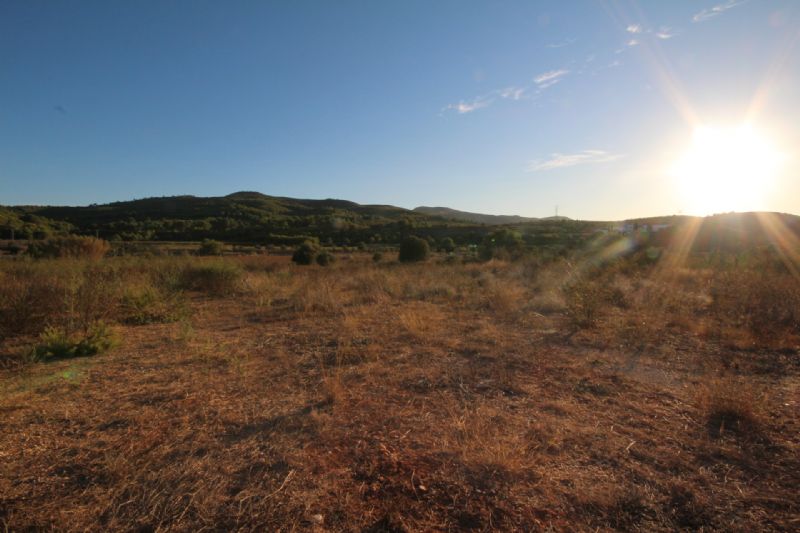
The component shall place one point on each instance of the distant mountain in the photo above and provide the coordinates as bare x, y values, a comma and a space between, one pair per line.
252, 217
479, 218
237, 217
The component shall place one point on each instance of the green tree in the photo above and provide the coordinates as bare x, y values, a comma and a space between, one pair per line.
447, 245
210, 247
305, 254
325, 258
502, 244
413, 249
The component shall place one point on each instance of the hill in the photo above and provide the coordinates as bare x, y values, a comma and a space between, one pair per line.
478, 218
252, 217
238, 217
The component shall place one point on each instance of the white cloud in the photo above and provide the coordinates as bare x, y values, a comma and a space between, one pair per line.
633, 42
469, 106
716, 10
634, 28
558, 160
561, 44
549, 78
512, 93
665, 32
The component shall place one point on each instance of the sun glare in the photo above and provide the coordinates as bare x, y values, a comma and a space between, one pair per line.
726, 169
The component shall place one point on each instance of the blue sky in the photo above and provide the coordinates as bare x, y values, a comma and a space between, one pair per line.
508, 107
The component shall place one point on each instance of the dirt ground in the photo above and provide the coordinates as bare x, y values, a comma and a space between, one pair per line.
430, 397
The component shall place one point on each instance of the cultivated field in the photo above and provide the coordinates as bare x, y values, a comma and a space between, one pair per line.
546, 393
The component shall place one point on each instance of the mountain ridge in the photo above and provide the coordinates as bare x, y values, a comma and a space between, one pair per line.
480, 218
254, 217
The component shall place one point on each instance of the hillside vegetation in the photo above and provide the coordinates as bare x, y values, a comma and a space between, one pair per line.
255, 218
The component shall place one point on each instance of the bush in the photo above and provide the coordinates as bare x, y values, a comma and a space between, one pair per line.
730, 405
502, 244
210, 247
413, 249
69, 294
377, 257
218, 278
147, 304
57, 343
585, 300
447, 245
325, 259
765, 303
73, 246
305, 253
28, 302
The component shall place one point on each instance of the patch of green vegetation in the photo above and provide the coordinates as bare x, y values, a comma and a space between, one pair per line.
57, 343
218, 278
414, 249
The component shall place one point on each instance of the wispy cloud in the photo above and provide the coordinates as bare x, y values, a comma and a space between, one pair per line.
469, 106
512, 93
634, 28
585, 157
549, 78
716, 10
633, 42
561, 44
665, 32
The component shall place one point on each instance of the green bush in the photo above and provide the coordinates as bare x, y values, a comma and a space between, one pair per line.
305, 254
447, 245
147, 304
210, 247
413, 249
57, 343
218, 278
501, 244
73, 246
325, 259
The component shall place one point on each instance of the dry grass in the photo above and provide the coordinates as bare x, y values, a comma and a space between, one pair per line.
385, 397
732, 405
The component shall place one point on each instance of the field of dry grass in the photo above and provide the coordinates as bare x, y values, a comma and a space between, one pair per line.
251, 394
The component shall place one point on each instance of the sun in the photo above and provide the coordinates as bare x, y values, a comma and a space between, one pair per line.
726, 169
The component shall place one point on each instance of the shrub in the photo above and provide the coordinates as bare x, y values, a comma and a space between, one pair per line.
57, 343
766, 303
377, 257
68, 294
28, 302
210, 247
730, 405
413, 249
73, 246
501, 244
147, 304
92, 296
584, 300
447, 245
305, 253
219, 278
325, 259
